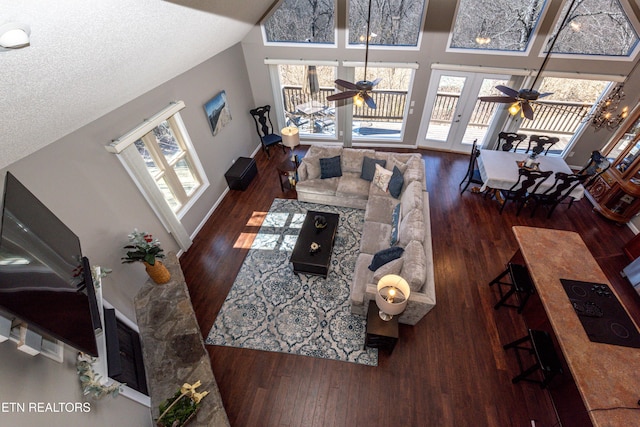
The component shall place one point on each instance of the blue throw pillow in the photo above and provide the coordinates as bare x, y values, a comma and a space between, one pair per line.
395, 185
330, 167
384, 256
369, 167
395, 221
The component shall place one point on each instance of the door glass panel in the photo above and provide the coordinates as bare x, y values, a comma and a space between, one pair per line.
444, 107
483, 112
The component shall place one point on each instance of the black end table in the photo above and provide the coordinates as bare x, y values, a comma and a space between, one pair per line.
380, 334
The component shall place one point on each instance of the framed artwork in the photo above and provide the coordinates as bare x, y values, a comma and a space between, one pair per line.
218, 112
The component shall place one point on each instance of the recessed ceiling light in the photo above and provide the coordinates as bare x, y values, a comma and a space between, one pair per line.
14, 35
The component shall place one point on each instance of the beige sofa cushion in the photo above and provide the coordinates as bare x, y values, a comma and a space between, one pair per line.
411, 227
380, 209
352, 159
411, 198
414, 266
351, 186
375, 237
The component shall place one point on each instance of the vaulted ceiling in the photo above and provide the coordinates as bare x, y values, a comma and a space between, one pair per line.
89, 57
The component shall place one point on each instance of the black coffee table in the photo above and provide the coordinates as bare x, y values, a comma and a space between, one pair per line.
303, 259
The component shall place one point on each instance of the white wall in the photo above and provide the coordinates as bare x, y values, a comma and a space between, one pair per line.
89, 190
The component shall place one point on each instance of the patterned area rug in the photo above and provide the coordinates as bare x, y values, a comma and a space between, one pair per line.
270, 308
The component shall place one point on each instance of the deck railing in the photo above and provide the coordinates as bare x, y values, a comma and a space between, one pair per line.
550, 116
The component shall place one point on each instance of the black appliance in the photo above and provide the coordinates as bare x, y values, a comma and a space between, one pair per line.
44, 279
603, 317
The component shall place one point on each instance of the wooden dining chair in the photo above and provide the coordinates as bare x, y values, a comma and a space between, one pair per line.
264, 127
562, 187
528, 182
508, 141
473, 173
541, 143
596, 166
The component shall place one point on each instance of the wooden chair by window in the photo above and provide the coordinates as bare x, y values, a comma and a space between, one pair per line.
596, 167
562, 187
519, 193
541, 143
509, 140
264, 127
473, 173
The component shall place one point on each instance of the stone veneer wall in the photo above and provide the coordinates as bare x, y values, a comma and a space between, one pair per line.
173, 348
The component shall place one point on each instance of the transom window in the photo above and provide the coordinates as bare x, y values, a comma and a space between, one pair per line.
596, 27
300, 21
495, 24
393, 22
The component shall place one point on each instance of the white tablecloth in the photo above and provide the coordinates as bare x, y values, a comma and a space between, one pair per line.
499, 170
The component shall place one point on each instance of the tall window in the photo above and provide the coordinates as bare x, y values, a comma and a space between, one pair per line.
161, 160
390, 95
304, 94
170, 162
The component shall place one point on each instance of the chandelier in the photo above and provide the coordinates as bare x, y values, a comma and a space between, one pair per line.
605, 112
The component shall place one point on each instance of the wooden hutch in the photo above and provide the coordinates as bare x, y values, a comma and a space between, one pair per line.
616, 193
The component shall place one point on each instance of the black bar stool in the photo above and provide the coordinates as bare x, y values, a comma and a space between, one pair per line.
520, 284
545, 354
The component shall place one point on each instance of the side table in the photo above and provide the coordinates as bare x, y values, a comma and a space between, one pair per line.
380, 334
286, 174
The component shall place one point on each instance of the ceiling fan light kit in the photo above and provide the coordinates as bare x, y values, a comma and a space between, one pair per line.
521, 100
359, 91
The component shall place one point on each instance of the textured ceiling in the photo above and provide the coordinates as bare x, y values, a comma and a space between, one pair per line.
87, 58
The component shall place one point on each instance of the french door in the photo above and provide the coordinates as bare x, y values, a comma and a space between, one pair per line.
454, 116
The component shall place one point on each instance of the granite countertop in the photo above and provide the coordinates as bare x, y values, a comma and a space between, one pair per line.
607, 376
173, 348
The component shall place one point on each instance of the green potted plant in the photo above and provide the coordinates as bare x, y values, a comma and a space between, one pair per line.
144, 248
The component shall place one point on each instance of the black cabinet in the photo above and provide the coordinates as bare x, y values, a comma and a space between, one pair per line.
241, 173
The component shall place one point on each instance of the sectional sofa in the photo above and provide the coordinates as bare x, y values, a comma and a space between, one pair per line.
396, 237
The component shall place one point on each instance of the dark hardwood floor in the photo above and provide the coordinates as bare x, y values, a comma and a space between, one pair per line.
448, 370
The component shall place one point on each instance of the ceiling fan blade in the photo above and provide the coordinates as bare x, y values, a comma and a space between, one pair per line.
342, 95
503, 99
369, 100
376, 81
507, 91
527, 110
542, 95
346, 84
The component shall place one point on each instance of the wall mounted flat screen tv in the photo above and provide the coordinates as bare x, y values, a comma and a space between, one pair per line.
44, 279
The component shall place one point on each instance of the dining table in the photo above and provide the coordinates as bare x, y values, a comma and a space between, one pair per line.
499, 170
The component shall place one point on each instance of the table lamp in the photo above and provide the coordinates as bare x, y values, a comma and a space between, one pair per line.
290, 137
392, 296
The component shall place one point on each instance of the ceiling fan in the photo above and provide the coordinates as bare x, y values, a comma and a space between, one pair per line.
360, 90
522, 99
